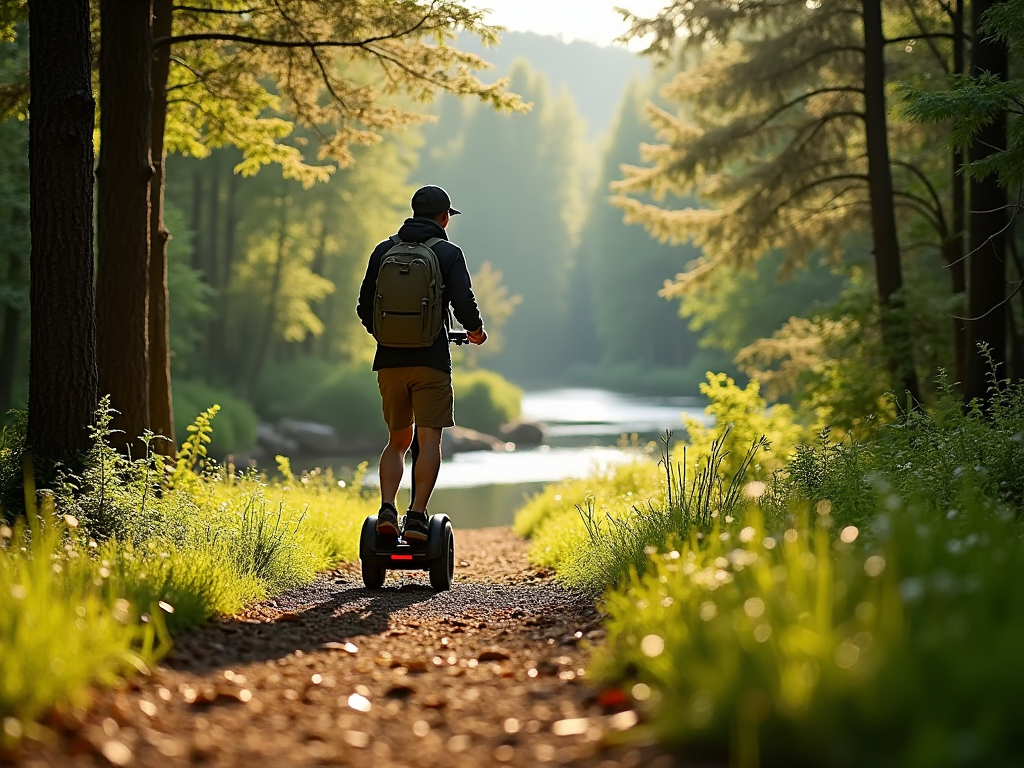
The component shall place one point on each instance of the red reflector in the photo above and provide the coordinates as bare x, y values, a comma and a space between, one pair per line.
401, 557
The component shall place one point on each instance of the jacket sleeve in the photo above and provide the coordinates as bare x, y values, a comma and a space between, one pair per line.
368, 290
460, 291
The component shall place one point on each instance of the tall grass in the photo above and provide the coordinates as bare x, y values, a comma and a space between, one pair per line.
112, 560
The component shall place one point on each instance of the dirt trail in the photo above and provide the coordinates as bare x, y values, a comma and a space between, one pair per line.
491, 672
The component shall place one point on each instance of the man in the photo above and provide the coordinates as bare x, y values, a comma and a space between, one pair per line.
416, 383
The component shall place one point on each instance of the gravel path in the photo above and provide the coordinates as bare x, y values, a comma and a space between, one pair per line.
491, 672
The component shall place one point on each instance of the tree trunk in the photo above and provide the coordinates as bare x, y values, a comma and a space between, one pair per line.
317, 268
955, 261
11, 335
275, 288
888, 271
986, 280
196, 222
161, 408
122, 214
219, 323
62, 360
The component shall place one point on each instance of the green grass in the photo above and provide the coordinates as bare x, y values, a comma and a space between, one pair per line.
112, 568
856, 608
899, 647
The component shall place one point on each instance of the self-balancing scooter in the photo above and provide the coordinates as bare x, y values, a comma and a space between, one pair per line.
379, 554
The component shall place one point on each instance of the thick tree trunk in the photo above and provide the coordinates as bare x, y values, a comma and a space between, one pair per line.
10, 337
888, 269
161, 408
986, 281
122, 214
62, 367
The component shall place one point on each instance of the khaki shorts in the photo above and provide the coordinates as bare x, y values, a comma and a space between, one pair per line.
416, 393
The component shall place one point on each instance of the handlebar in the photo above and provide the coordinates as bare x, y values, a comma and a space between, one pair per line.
458, 338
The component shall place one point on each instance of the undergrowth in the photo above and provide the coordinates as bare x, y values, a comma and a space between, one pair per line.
854, 608
116, 559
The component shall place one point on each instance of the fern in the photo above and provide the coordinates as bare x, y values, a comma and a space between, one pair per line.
192, 456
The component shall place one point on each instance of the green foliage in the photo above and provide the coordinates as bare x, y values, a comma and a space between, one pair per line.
192, 456
231, 85
236, 420
894, 647
13, 442
342, 395
749, 420
851, 611
556, 529
485, 400
63, 628
191, 304
82, 612
975, 102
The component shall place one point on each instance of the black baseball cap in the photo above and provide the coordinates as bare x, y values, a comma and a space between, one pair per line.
430, 201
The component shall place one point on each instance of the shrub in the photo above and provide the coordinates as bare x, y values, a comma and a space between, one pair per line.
749, 420
485, 400
342, 395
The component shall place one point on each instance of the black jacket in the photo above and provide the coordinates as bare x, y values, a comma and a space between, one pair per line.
458, 293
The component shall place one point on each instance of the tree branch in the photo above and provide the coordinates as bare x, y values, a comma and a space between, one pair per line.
793, 102
217, 11
270, 43
939, 212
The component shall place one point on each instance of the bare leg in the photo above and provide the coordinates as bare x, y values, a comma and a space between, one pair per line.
428, 464
392, 465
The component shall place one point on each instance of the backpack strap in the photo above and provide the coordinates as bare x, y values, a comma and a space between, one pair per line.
396, 239
433, 241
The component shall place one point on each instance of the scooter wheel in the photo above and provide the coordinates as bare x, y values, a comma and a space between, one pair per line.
373, 575
442, 569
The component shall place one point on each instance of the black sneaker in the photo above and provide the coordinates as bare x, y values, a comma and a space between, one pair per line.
416, 527
387, 521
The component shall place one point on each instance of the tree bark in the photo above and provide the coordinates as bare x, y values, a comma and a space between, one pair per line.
270, 320
161, 408
318, 268
198, 261
896, 341
955, 261
986, 280
10, 338
122, 214
219, 322
62, 359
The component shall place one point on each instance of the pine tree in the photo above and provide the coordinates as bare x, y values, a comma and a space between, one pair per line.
627, 269
785, 133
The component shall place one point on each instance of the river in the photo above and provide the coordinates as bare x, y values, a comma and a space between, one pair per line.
584, 429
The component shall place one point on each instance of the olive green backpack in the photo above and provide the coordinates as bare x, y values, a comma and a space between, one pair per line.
408, 310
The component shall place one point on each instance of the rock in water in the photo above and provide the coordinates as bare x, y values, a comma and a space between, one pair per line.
313, 438
524, 433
